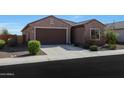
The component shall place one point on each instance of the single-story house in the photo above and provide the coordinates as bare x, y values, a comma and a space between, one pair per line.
117, 27
53, 30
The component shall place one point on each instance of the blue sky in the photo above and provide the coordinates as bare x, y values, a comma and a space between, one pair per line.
15, 23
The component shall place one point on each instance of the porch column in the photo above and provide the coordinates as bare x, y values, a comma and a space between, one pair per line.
34, 30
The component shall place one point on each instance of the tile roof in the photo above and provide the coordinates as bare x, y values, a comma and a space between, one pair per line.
78, 23
83, 22
66, 21
69, 22
87, 21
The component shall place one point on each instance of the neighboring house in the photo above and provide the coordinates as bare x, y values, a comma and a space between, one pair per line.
117, 27
53, 30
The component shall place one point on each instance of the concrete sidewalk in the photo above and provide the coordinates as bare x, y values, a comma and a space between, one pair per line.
59, 53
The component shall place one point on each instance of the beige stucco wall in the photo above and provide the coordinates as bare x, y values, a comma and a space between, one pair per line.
94, 24
46, 23
78, 35
29, 33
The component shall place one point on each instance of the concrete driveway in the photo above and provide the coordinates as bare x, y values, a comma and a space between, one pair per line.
56, 52
61, 49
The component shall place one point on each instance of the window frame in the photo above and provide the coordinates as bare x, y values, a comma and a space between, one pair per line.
99, 31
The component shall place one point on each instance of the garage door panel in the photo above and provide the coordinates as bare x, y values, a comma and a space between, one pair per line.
51, 36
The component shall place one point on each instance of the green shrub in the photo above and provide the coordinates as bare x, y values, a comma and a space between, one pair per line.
112, 46
93, 48
89, 43
92, 42
2, 43
12, 42
34, 47
111, 37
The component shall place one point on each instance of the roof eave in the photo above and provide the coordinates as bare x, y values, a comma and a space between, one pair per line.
88, 22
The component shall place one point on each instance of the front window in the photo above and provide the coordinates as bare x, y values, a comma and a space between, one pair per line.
94, 33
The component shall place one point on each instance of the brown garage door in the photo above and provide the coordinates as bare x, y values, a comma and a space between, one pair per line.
51, 36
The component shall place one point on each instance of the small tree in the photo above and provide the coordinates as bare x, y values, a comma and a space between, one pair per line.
4, 31
111, 36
